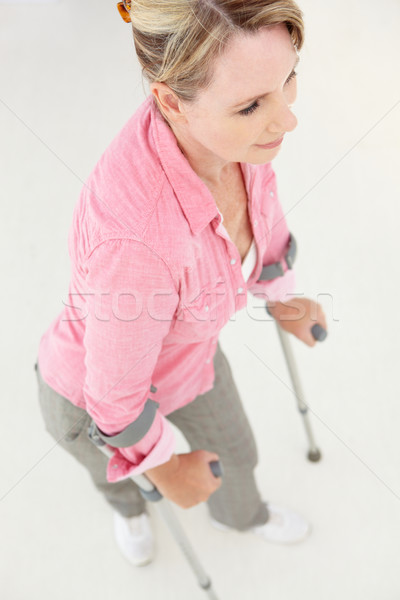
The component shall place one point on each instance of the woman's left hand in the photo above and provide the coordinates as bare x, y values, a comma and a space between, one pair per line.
298, 316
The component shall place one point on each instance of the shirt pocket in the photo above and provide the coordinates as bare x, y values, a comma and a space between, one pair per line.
205, 315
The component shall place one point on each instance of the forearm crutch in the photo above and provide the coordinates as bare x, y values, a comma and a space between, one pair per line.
268, 273
151, 494
319, 334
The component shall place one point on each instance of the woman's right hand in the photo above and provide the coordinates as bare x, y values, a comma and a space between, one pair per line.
186, 479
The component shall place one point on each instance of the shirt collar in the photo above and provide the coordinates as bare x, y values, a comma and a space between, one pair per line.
193, 195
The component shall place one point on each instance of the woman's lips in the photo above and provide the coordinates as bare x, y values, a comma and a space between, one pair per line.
272, 144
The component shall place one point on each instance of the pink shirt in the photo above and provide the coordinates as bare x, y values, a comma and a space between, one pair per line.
154, 278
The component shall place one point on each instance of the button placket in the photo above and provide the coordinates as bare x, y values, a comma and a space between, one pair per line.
228, 241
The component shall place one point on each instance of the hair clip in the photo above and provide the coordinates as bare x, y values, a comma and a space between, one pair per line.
124, 8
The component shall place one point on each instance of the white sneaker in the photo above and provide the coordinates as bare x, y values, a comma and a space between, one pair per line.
283, 526
134, 538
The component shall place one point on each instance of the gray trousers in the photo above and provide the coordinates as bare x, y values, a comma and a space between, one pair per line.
214, 421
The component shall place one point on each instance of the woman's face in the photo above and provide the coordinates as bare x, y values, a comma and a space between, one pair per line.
248, 103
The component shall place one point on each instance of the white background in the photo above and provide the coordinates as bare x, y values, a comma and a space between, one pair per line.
70, 81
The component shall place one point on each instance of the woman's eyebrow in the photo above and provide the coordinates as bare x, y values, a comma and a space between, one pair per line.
261, 95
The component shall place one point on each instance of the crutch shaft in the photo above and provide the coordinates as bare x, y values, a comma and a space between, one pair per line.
314, 453
175, 527
150, 492
287, 350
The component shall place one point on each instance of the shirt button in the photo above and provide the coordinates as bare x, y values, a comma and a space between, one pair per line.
256, 222
240, 290
271, 194
207, 361
233, 261
206, 307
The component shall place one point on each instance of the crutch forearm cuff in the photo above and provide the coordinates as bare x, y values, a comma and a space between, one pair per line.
270, 272
136, 431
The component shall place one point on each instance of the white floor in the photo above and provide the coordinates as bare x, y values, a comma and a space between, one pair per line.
69, 82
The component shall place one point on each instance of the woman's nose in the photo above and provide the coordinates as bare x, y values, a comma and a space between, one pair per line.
282, 119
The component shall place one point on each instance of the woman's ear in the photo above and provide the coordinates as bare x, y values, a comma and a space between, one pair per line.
169, 104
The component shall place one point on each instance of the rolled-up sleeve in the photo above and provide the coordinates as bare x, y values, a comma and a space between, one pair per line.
132, 301
277, 238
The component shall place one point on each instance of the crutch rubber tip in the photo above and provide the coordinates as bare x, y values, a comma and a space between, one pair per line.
314, 455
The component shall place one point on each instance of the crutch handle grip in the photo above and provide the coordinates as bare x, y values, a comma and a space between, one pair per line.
216, 468
153, 495
318, 332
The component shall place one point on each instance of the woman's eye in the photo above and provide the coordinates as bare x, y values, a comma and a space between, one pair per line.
250, 109
253, 107
291, 76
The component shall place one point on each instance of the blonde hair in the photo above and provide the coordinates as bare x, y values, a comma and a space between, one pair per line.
177, 41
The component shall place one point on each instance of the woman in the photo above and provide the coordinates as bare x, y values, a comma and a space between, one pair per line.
172, 228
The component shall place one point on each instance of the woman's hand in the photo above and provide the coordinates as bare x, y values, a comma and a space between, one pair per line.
186, 479
297, 316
